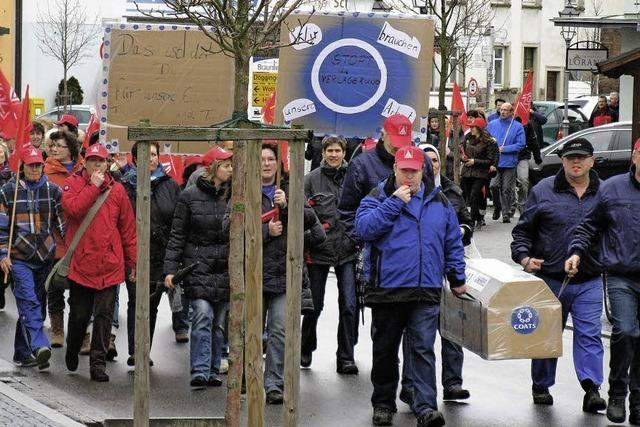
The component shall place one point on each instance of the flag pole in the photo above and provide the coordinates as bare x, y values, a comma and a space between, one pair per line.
13, 219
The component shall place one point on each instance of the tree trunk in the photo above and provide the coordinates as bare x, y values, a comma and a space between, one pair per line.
65, 90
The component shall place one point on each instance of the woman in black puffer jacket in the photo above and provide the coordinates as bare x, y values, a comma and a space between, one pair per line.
274, 269
198, 236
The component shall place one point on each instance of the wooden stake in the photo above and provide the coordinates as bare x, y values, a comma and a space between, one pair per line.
253, 273
236, 284
13, 220
295, 243
143, 206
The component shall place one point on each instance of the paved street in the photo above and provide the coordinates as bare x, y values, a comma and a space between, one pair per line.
500, 390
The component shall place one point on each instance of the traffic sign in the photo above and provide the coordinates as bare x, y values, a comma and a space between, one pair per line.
263, 85
472, 87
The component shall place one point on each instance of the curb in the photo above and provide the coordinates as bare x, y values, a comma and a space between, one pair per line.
23, 400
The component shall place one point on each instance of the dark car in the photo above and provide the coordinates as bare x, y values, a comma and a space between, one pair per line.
554, 112
611, 150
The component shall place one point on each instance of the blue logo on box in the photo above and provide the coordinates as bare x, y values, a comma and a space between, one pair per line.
524, 320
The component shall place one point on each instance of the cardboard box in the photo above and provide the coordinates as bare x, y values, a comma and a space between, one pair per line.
512, 314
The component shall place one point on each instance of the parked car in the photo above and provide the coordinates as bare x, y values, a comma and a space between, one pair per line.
587, 103
554, 112
81, 112
612, 152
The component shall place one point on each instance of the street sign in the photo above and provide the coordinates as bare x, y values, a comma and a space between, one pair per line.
472, 87
585, 56
263, 85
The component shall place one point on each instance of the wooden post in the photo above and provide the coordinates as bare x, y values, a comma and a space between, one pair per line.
141, 380
236, 284
295, 243
253, 274
456, 150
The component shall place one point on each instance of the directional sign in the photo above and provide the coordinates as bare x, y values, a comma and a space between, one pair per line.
263, 85
472, 87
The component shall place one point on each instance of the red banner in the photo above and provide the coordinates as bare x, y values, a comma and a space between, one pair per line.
22, 134
93, 126
173, 166
10, 107
524, 99
457, 104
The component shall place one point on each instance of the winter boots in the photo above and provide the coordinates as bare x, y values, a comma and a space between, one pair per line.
57, 329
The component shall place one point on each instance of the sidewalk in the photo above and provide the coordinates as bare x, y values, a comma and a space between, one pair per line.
19, 410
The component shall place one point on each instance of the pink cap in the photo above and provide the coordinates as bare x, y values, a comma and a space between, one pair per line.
68, 119
32, 155
216, 153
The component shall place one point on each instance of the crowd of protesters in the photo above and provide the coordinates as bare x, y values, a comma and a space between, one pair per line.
387, 217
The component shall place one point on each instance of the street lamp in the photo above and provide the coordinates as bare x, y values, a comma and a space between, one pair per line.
568, 33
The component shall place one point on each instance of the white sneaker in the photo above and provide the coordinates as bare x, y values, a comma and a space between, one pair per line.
224, 366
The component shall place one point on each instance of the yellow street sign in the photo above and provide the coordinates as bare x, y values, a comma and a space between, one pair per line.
263, 85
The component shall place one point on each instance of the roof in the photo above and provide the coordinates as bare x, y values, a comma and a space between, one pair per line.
626, 63
598, 21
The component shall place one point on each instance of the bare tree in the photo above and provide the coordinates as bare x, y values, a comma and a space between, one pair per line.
460, 26
241, 28
66, 34
594, 8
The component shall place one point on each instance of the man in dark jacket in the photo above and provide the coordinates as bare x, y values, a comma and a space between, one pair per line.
555, 208
613, 224
602, 114
322, 188
412, 240
164, 197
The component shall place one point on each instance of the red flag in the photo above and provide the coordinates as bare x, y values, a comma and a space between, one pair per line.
10, 107
173, 166
93, 126
22, 134
269, 109
523, 101
457, 104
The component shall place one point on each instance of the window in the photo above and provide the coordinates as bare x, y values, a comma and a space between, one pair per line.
498, 66
574, 115
623, 143
529, 62
600, 140
453, 68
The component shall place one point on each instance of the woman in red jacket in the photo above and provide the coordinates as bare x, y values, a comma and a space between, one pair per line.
98, 263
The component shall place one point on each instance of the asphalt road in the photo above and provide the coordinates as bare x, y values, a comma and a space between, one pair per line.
500, 390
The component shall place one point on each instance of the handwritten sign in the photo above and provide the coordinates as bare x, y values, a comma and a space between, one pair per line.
171, 75
355, 69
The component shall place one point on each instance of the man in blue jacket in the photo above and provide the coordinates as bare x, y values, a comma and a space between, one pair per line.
554, 209
509, 135
413, 240
614, 226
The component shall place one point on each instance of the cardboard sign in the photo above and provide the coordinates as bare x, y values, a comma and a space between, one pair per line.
346, 72
168, 74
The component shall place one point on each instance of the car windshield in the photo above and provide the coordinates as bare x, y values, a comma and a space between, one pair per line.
543, 108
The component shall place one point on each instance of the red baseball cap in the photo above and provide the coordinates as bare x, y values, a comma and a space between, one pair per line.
636, 145
97, 150
409, 157
216, 153
477, 122
68, 119
32, 155
398, 129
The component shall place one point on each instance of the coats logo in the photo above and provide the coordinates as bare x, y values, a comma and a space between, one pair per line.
408, 154
94, 149
33, 152
524, 320
402, 130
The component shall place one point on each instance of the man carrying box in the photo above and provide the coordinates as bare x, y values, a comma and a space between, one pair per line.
613, 225
554, 209
412, 240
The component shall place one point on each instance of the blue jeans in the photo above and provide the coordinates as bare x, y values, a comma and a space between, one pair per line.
275, 307
452, 357
30, 298
584, 302
348, 317
624, 366
221, 310
389, 321
202, 342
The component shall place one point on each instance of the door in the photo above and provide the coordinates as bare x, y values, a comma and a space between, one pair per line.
552, 85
